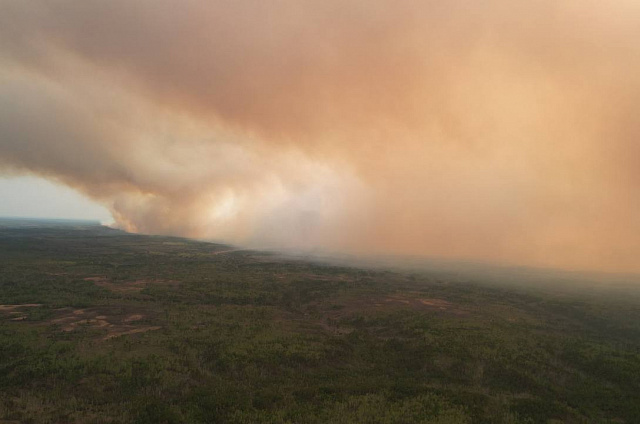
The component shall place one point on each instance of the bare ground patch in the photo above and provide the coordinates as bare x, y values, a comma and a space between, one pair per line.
17, 312
130, 287
113, 334
109, 321
421, 303
13, 308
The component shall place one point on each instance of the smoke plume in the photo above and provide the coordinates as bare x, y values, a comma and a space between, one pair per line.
501, 130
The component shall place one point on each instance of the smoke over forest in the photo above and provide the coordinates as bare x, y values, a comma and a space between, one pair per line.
502, 130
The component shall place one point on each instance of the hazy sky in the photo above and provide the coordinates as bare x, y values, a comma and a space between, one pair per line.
501, 130
34, 197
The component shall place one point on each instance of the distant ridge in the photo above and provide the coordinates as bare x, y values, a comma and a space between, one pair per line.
12, 221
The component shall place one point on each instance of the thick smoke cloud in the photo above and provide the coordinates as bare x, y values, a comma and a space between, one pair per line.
499, 130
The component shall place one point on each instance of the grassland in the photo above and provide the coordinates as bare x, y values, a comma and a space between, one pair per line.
100, 326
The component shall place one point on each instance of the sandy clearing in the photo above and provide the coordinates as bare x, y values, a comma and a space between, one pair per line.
9, 308
135, 317
132, 331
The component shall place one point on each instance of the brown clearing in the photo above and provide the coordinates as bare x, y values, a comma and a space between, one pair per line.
113, 321
135, 317
11, 308
127, 287
220, 252
133, 331
15, 310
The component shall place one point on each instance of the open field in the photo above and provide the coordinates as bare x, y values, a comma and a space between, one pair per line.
100, 326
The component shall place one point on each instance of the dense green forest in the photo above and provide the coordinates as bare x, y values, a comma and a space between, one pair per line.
101, 326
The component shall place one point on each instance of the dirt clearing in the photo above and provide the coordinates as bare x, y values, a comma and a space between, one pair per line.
131, 287
108, 321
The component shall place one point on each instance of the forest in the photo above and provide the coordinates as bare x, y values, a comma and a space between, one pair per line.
101, 326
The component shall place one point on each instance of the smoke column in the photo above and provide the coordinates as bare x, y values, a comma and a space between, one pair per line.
501, 130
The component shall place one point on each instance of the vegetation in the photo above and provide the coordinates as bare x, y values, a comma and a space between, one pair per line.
100, 326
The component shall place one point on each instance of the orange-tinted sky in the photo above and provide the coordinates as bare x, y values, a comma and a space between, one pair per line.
501, 130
